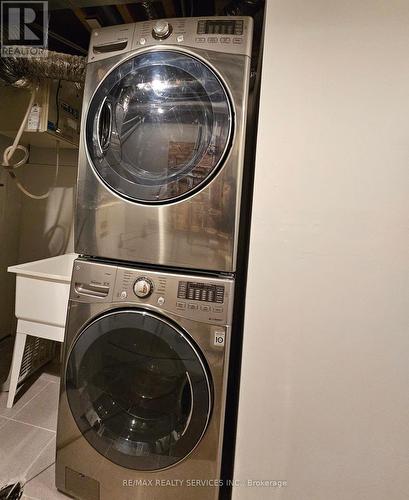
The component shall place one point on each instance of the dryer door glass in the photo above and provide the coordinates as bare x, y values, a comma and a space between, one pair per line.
158, 127
138, 389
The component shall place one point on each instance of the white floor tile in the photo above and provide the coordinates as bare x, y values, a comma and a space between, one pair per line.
51, 372
3, 421
20, 448
42, 409
43, 486
45, 459
29, 390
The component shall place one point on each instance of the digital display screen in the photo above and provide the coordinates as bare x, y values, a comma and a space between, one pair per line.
216, 27
201, 291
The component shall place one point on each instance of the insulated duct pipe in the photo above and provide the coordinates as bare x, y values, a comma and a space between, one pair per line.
29, 71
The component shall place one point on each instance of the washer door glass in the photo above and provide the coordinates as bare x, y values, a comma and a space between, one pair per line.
158, 126
138, 390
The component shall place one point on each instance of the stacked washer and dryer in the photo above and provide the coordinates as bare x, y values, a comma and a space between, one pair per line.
143, 389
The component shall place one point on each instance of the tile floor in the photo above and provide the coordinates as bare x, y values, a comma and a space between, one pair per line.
27, 436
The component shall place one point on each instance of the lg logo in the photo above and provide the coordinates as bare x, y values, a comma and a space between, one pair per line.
24, 28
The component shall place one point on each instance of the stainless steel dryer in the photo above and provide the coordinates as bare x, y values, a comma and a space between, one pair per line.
162, 146
144, 384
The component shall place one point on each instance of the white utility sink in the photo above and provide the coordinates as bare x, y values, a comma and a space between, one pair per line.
42, 289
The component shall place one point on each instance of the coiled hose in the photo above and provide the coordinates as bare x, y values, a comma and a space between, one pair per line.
10, 151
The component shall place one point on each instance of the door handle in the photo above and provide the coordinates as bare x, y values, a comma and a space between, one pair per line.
104, 126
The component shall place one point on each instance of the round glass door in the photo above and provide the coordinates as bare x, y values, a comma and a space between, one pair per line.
158, 126
138, 390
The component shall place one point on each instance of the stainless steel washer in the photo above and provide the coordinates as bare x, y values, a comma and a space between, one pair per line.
162, 145
144, 384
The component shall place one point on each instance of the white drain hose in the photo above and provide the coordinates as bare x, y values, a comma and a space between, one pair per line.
9, 152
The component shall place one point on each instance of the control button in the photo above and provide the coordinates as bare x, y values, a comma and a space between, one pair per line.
193, 307
181, 305
212, 39
225, 39
182, 289
162, 29
142, 41
237, 40
218, 309
124, 295
161, 301
205, 308
143, 287
180, 38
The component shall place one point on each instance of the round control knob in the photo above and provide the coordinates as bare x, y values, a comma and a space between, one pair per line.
162, 29
143, 287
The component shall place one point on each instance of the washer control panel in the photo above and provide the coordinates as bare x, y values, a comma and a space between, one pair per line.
204, 299
143, 287
161, 29
203, 292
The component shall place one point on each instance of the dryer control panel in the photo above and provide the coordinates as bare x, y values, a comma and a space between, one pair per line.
227, 34
230, 35
204, 299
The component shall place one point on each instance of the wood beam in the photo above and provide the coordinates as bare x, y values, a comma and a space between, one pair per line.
125, 13
169, 8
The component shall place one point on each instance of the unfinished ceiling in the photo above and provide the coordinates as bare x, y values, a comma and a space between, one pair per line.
71, 21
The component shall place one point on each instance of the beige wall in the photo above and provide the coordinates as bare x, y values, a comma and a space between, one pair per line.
324, 395
10, 210
34, 229
46, 225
